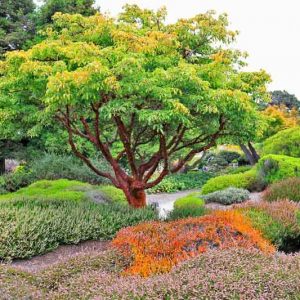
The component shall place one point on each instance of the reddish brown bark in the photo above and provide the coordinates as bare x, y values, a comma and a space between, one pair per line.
140, 178
136, 198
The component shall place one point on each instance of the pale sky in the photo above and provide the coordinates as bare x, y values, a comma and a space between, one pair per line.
269, 31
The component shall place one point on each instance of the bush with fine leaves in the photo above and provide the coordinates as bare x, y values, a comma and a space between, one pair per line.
227, 196
285, 189
30, 227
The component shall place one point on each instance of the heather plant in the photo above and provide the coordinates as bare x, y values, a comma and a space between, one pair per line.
278, 222
156, 247
285, 189
34, 226
227, 196
228, 274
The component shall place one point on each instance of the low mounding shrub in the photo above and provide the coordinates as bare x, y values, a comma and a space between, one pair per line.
61, 189
228, 274
285, 189
277, 167
188, 206
285, 142
227, 196
113, 194
180, 182
191, 200
30, 227
240, 180
156, 247
279, 222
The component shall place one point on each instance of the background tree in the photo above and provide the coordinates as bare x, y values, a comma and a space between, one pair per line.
50, 7
16, 25
284, 98
279, 118
144, 92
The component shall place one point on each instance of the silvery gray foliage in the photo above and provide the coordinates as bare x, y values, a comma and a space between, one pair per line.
227, 196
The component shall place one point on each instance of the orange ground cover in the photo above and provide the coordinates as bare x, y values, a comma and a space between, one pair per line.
155, 247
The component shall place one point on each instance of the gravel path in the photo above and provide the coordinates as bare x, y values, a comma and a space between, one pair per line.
62, 253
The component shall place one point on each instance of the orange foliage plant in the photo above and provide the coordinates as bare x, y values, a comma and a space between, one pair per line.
155, 247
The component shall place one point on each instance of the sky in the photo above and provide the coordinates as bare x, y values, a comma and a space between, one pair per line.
269, 31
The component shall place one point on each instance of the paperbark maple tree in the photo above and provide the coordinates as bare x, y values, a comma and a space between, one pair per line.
138, 89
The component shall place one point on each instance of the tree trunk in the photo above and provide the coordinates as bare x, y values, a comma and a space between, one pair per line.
248, 154
2, 165
253, 151
136, 198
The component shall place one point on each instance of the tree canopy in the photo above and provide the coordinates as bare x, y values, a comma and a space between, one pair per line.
138, 89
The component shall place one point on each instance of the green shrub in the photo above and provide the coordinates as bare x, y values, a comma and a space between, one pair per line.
285, 189
113, 194
180, 182
285, 142
229, 156
30, 227
13, 181
51, 167
188, 206
191, 200
240, 169
277, 167
227, 196
240, 180
52, 189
